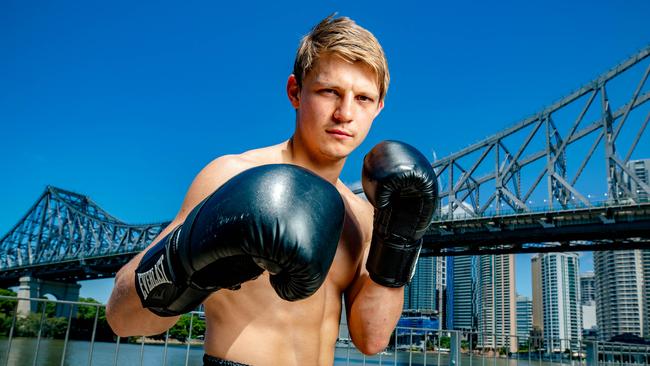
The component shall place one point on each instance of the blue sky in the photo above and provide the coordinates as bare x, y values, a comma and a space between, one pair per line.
126, 101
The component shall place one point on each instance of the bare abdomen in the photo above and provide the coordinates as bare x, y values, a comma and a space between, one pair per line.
253, 325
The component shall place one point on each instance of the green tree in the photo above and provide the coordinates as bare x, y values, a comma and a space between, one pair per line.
464, 344
180, 330
523, 348
55, 327
89, 311
84, 321
445, 342
7, 308
50, 308
28, 326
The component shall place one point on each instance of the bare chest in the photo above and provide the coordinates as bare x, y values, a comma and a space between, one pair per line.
349, 253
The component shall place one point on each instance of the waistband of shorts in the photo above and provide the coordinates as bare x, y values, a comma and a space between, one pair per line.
216, 361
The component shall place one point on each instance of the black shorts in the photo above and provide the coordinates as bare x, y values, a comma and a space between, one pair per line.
216, 361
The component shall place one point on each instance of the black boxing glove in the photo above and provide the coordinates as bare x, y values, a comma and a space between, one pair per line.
401, 184
279, 218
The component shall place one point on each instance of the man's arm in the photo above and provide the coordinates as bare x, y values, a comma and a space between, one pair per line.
401, 186
124, 311
372, 310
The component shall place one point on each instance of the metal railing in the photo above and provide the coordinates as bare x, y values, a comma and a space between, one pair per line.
82, 337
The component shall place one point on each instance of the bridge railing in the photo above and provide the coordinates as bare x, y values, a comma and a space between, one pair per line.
82, 338
541, 208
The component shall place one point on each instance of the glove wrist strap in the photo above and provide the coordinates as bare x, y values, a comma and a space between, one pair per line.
392, 265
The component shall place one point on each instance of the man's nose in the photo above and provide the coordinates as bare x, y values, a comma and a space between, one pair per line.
345, 109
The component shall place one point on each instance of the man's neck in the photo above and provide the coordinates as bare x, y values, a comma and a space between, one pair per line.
326, 169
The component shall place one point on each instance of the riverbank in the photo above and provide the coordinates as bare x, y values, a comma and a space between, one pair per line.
148, 340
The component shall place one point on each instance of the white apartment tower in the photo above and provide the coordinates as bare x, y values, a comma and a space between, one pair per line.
623, 277
641, 169
620, 305
560, 300
496, 302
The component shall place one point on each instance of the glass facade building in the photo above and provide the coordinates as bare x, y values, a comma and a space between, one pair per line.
524, 318
425, 292
587, 288
461, 292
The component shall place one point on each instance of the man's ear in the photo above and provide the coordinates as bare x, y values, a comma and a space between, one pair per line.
379, 107
293, 91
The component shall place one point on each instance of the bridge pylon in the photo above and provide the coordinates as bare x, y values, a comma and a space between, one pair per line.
31, 287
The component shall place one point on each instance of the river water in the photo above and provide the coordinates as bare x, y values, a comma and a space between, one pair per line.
78, 353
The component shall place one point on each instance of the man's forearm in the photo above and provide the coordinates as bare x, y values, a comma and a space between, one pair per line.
124, 311
373, 315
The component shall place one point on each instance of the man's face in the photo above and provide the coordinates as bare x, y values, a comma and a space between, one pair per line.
335, 106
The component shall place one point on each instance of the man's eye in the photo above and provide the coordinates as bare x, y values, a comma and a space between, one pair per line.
328, 91
364, 98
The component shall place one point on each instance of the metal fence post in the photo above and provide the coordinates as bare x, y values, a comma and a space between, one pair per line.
92, 337
11, 333
67, 335
189, 340
394, 353
454, 349
117, 350
40, 332
164, 361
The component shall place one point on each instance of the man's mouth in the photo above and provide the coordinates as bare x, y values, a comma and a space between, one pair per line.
336, 131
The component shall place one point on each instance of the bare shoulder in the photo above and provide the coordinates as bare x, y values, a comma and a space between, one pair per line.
213, 176
274, 154
221, 169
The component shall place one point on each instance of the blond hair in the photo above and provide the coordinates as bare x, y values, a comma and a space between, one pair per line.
344, 38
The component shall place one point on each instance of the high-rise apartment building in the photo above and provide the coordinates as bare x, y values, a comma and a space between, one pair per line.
589, 317
560, 300
587, 288
623, 277
641, 169
496, 302
461, 292
524, 318
645, 264
425, 292
536, 279
620, 305
588, 300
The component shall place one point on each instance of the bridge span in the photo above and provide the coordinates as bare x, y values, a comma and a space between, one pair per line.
67, 237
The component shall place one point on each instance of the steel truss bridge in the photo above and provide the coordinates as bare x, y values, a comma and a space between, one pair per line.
65, 236
568, 178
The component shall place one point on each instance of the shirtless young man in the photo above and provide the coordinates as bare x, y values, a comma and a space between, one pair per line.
337, 89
